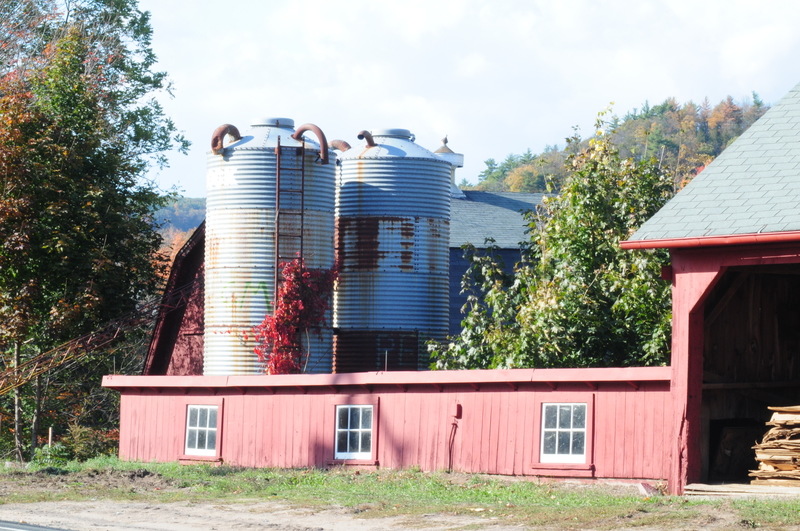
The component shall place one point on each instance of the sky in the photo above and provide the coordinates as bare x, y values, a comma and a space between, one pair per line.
497, 77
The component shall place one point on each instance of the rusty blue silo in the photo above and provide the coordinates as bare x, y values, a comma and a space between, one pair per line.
392, 244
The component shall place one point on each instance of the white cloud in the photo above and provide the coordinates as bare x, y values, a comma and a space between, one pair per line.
472, 65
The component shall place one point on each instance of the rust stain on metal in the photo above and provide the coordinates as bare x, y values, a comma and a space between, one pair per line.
408, 229
364, 231
406, 260
358, 241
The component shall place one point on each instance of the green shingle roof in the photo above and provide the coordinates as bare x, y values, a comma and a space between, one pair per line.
497, 215
752, 187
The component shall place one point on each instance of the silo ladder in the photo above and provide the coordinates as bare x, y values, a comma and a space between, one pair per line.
289, 195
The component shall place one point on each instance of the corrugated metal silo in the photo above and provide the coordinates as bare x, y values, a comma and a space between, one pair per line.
244, 211
393, 232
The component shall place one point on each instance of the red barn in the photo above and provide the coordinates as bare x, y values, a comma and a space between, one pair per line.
734, 238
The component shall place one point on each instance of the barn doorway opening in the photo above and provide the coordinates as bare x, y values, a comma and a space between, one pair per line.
751, 360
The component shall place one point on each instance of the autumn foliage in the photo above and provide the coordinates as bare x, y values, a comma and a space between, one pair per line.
303, 299
80, 130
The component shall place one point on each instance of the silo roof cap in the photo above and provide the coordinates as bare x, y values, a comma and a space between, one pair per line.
394, 133
284, 123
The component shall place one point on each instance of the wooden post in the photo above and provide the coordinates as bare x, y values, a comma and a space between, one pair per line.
37, 408
17, 409
50, 437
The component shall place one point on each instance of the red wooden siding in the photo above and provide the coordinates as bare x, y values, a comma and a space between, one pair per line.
288, 421
696, 271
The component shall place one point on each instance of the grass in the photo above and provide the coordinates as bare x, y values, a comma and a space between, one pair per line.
408, 493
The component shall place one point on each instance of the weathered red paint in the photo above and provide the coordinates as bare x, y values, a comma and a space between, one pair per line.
696, 270
176, 347
470, 421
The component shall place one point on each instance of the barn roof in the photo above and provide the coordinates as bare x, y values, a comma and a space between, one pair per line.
496, 215
749, 193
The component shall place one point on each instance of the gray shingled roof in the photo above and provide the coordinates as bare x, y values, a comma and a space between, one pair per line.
495, 215
752, 187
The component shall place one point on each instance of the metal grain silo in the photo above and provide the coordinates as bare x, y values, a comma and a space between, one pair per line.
270, 197
393, 232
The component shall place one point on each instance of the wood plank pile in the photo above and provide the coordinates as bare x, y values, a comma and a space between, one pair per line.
778, 454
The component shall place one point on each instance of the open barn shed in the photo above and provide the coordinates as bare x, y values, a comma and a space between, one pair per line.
734, 239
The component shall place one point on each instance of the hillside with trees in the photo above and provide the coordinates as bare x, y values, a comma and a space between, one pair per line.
177, 220
682, 137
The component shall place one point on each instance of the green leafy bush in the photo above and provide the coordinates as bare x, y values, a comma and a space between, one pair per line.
85, 443
50, 456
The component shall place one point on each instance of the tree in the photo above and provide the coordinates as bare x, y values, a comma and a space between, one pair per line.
494, 176
79, 130
576, 299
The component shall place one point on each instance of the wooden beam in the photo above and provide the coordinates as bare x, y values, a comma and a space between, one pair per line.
726, 298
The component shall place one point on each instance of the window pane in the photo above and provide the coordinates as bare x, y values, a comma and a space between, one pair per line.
201, 429
579, 416
343, 417
191, 439
564, 433
549, 443
354, 432
366, 441
355, 418
565, 416
577, 443
550, 415
563, 442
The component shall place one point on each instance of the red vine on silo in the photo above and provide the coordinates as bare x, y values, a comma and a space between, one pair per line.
303, 298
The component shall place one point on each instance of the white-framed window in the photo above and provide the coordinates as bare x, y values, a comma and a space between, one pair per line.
354, 432
563, 433
201, 430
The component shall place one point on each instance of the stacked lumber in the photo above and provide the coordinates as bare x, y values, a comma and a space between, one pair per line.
778, 454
